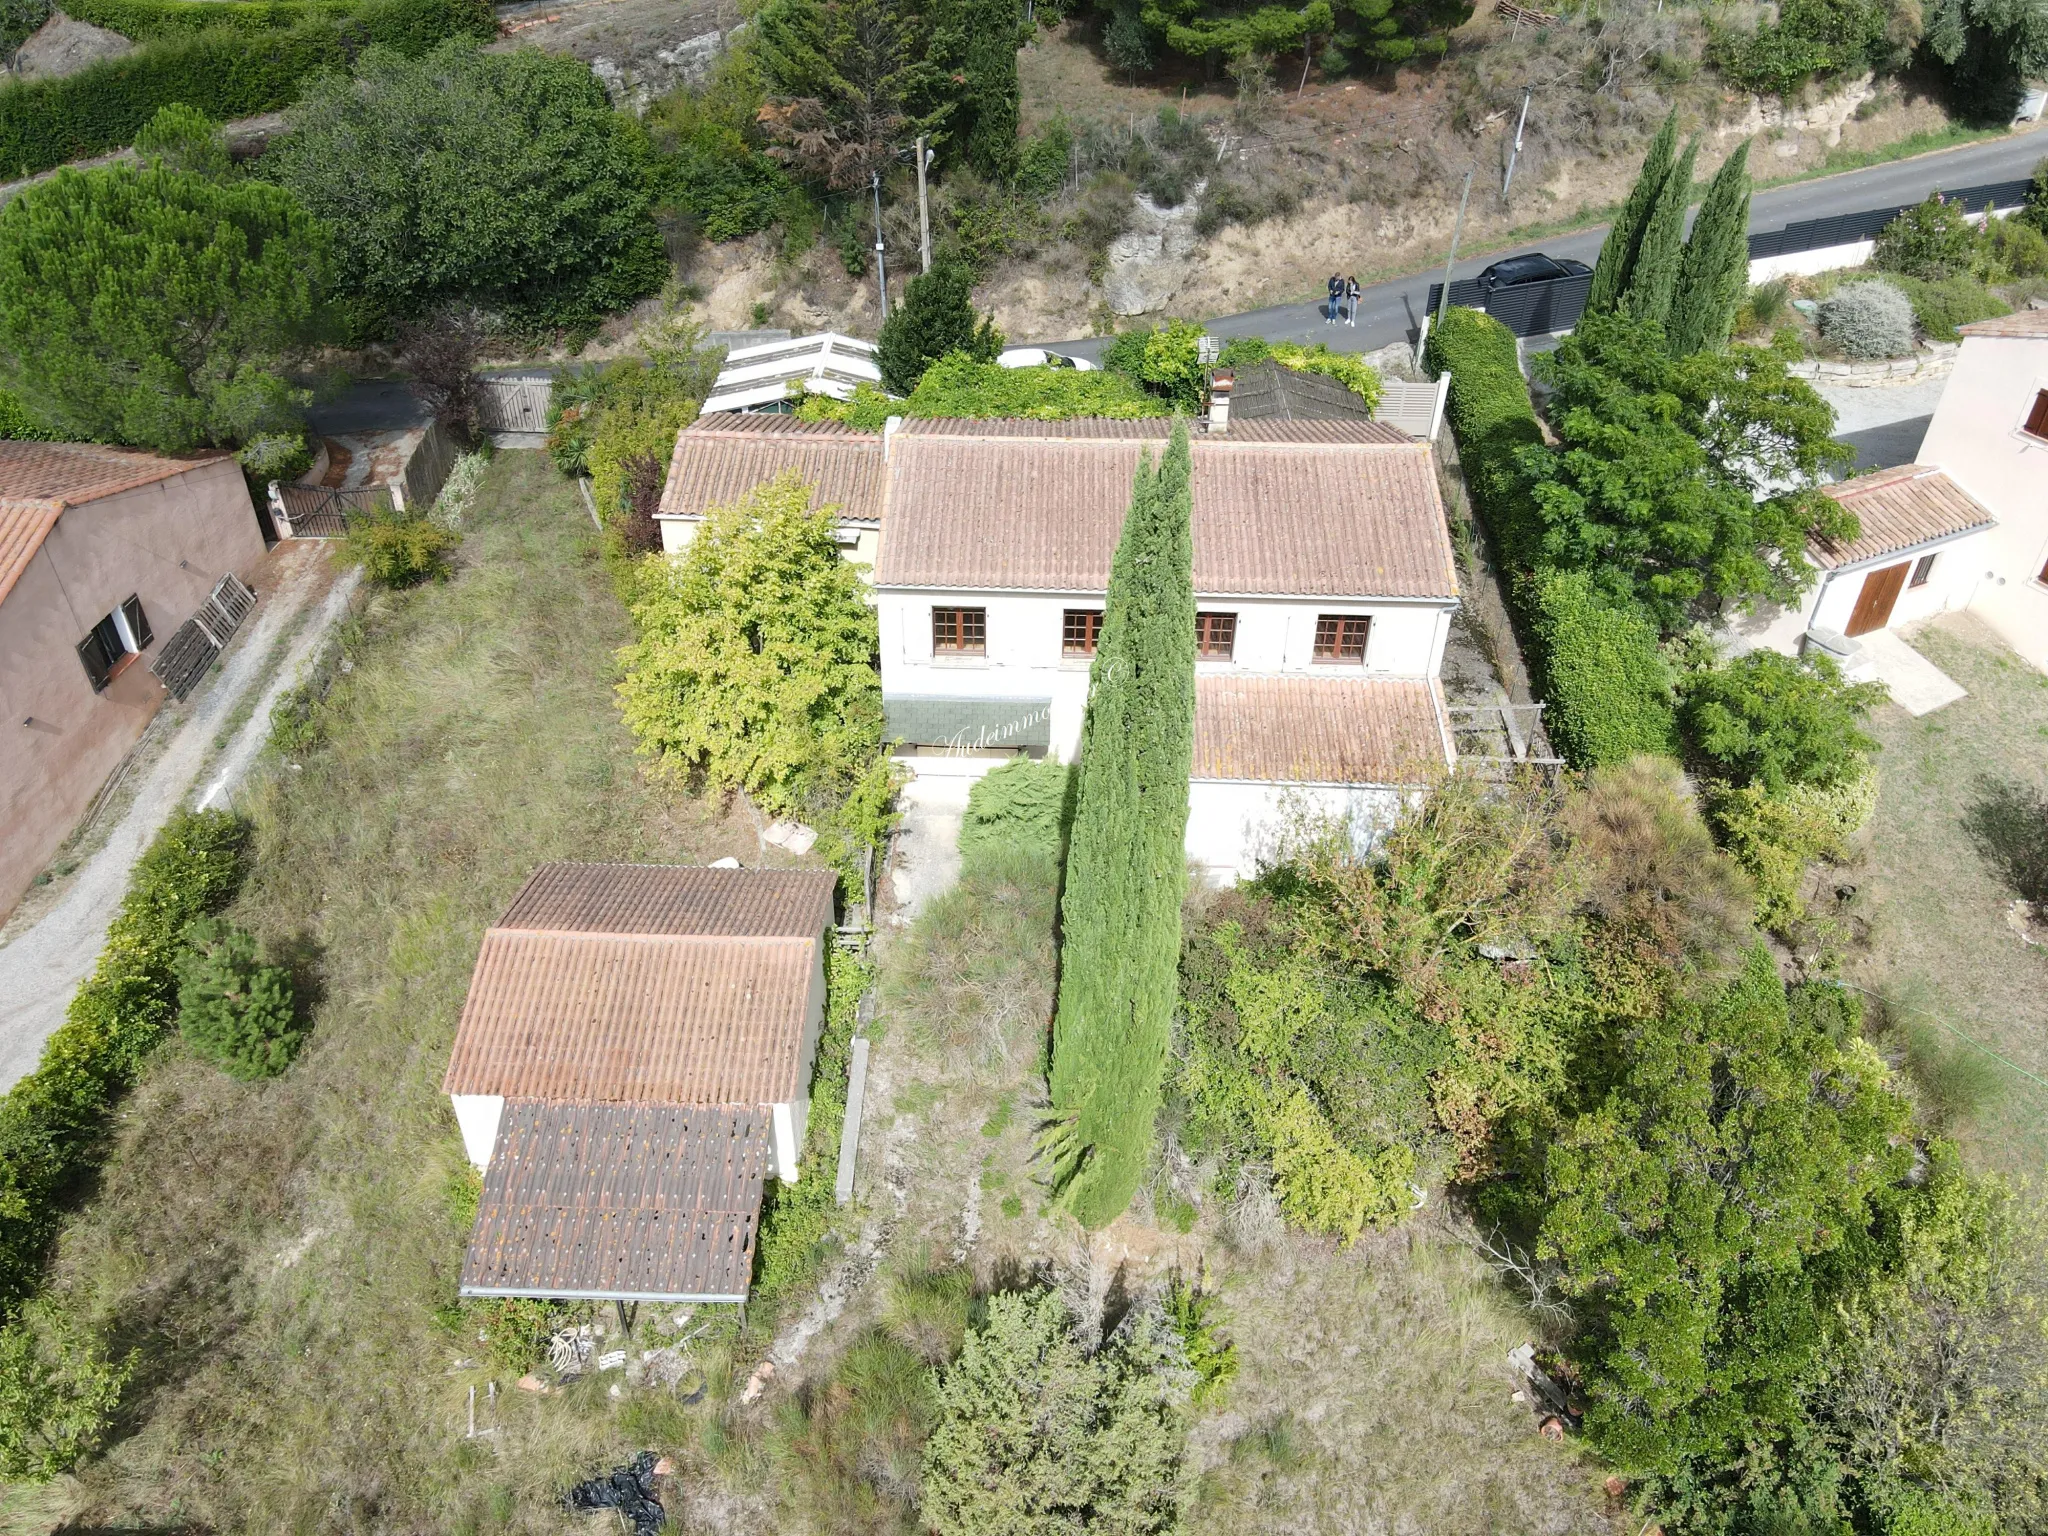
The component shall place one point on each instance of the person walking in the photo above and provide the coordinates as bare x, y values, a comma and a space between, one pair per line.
1351, 292
1336, 298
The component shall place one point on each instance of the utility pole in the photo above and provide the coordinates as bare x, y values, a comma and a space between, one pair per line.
881, 269
1515, 153
924, 208
1443, 303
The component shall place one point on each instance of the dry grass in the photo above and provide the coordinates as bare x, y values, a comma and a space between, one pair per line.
1939, 939
277, 1253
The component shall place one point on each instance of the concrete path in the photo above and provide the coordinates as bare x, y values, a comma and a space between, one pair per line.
926, 860
1391, 311
1884, 425
1918, 686
45, 956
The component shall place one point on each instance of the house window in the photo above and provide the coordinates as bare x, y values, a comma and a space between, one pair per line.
960, 631
1079, 630
117, 637
1215, 636
2037, 418
1922, 569
1341, 637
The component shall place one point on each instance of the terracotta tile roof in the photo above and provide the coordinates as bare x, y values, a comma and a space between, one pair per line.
634, 1018
38, 481
646, 1202
2020, 325
674, 899
1352, 519
1899, 509
1319, 730
1141, 429
718, 459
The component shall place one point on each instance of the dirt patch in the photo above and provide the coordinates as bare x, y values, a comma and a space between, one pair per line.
64, 45
640, 49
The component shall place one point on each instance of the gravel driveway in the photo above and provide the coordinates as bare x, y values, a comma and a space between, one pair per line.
46, 955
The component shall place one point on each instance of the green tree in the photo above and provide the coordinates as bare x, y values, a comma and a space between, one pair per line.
181, 138
1714, 273
154, 308
1034, 1435
935, 318
1618, 252
992, 92
58, 1392
1931, 241
1681, 480
1166, 360
755, 664
1126, 861
1655, 277
497, 177
232, 1007
1777, 721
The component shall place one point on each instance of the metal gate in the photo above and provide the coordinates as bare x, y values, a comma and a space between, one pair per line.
320, 512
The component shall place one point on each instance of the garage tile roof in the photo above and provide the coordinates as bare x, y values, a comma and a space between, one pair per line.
718, 459
635, 1202
1899, 509
38, 481
1320, 730
674, 899
634, 1018
2020, 325
1017, 508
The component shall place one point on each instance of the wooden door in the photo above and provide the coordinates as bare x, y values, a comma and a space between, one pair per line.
1874, 602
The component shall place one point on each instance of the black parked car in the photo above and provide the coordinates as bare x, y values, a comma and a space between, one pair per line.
1536, 268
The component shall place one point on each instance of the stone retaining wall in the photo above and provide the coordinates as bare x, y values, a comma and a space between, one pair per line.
1934, 359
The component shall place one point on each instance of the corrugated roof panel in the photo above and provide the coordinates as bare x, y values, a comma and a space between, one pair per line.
639, 1202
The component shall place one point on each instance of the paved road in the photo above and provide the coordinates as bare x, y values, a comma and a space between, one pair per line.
1390, 312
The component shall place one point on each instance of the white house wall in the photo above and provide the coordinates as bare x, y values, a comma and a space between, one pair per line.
1235, 826
1976, 436
478, 1115
789, 1120
1957, 566
1024, 638
858, 542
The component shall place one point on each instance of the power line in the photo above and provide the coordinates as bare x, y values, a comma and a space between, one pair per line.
1944, 1023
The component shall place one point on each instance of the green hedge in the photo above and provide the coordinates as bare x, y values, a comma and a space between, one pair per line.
1607, 683
148, 20
226, 71
53, 1123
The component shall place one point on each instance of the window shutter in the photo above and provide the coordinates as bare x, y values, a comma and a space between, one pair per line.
138, 623
99, 666
2037, 418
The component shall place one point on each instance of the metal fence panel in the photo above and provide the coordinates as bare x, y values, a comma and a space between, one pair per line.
1848, 228
319, 512
1527, 309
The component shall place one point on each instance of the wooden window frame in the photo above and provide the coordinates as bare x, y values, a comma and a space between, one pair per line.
2036, 424
1080, 632
1208, 626
959, 631
1334, 645
1923, 571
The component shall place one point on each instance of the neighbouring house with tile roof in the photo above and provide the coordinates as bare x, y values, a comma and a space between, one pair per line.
1324, 581
104, 554
632, 1065
718, 459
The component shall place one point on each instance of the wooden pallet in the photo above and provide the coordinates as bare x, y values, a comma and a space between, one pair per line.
188, 653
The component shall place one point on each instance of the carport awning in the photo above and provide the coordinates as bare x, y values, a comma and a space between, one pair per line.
628, 1202
965, 724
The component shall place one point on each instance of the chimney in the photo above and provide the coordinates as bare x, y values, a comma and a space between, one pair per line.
1220, 386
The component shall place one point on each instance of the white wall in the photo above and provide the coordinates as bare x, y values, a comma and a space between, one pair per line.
1976, 436
858, 542
1826, 259
1236, 826
478, 1115
1024, 659
1957, 566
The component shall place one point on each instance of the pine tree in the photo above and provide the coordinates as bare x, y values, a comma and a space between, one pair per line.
1126, 865
1625, 235
936, 317
1655, 278
1715, 270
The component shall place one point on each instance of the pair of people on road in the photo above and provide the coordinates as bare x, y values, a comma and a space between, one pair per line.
1343, 300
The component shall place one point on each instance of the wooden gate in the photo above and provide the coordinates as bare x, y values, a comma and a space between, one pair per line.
515, 402
1874, 602
318, 512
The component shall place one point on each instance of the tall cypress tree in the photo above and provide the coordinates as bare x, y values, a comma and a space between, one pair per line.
1126, 859
1655, 278
1625, 234
1715, 271
992, 90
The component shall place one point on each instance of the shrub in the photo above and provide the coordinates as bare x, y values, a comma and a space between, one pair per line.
754, 666
2036, 210
1774, 837
1608, 685
1931, 241
1867, 320
180, 139
2008, 823
1774, 721
1763, 307
1493, 422
17, 424
226, 60
58, 1392
1167, 361
231, 1007
52, 1122
1023, 804
398, 550
960, 385
935, 317
271, 456
2015, 248
156, 308
1938, 308
1033, 1434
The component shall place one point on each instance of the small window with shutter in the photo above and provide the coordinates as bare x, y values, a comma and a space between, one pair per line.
117, 637
2037, 417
